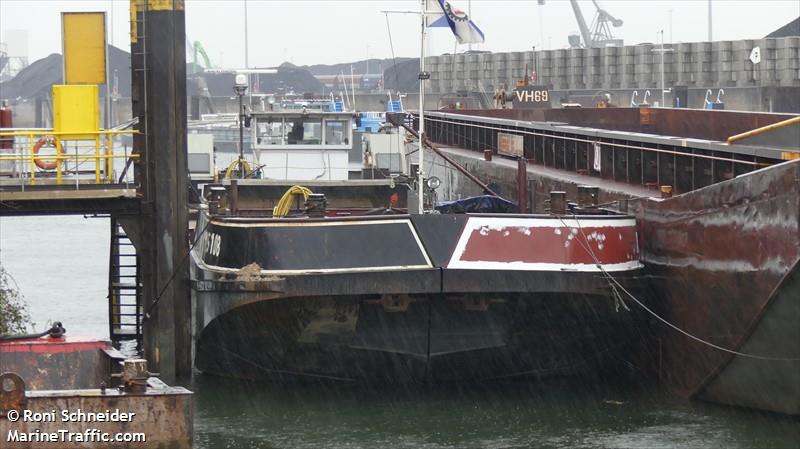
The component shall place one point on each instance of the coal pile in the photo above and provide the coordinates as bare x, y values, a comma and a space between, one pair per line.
289, 78
789, 30
402, 77
37, 79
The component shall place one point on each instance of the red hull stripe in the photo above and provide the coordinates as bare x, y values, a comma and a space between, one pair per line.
52, 345
547, 244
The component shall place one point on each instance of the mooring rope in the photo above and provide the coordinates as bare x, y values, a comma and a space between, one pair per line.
55, 331
614, 281
157, 299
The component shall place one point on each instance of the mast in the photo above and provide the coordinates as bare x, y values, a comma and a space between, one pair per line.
420, 185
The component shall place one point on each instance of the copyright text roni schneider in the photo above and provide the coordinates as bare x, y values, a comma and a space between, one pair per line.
77, 427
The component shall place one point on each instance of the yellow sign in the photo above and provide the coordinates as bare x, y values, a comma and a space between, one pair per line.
510, 144
76, 111
140, 6
83, 36
790, 155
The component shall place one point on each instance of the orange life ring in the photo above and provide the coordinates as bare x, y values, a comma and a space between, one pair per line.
45, 141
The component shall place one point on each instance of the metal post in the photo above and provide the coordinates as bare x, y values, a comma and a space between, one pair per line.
522, 185
247, 56
159, 69
709, 22
469, 15
233, 195
241, 136
663, 94
420, 186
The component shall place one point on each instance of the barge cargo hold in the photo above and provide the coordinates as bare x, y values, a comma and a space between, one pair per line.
721, 255
724, 262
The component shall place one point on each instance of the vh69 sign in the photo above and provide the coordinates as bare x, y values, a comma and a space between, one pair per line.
531, 97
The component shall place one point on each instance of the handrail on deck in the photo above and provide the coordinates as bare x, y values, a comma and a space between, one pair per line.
763, 129
102, 159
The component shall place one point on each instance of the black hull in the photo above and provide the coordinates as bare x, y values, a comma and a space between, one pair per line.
418, 338
411, 298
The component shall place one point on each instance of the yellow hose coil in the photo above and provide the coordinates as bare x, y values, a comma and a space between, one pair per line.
245, 166
282, 209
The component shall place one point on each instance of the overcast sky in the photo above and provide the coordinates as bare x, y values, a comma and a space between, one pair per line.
329, 31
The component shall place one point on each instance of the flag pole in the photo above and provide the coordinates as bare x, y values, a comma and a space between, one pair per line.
421, 186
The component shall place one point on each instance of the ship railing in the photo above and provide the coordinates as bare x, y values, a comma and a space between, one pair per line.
64, 158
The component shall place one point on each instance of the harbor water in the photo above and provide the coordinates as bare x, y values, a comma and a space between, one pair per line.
60, 265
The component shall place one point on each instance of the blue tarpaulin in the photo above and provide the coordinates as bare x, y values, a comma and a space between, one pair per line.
484, 204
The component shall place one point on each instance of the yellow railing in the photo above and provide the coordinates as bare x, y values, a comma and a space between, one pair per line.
764, 129
99, 143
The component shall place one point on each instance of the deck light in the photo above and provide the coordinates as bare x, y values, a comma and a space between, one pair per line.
240, 87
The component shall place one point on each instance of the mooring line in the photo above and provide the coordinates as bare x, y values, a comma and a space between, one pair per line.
156, 301
611, 278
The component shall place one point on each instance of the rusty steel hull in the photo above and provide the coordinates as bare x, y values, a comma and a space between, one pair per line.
70, 374
71, 363
723, 265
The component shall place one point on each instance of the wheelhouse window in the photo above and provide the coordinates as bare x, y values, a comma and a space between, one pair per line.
269, 133
303, 131
336, 132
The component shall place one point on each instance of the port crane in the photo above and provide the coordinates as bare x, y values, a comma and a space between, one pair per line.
197, 51
599, 34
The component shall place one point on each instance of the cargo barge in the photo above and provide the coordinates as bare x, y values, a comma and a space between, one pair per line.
351, 286
716, 196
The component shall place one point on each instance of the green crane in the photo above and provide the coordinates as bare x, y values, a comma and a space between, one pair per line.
196, 49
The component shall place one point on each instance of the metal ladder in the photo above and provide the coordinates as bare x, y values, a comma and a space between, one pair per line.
124, 288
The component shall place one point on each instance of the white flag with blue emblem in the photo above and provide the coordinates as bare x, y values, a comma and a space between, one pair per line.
463, 28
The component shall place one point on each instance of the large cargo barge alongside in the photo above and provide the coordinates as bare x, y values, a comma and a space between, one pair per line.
720, 250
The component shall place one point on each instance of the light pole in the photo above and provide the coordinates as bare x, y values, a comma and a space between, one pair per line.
240, 87
663, 50
663, 92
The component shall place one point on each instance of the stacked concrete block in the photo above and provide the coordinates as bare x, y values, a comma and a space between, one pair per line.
644, 77
563, 64
611, 68
685, 65
788, 61
545, 66
723, 56
576, 67
698, 65
592, 68
628, 67
742, 67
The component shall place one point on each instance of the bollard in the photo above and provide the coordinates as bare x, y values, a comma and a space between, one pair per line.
558, 203
134, 376
622, 205
588, 196
233, 195
316, 205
